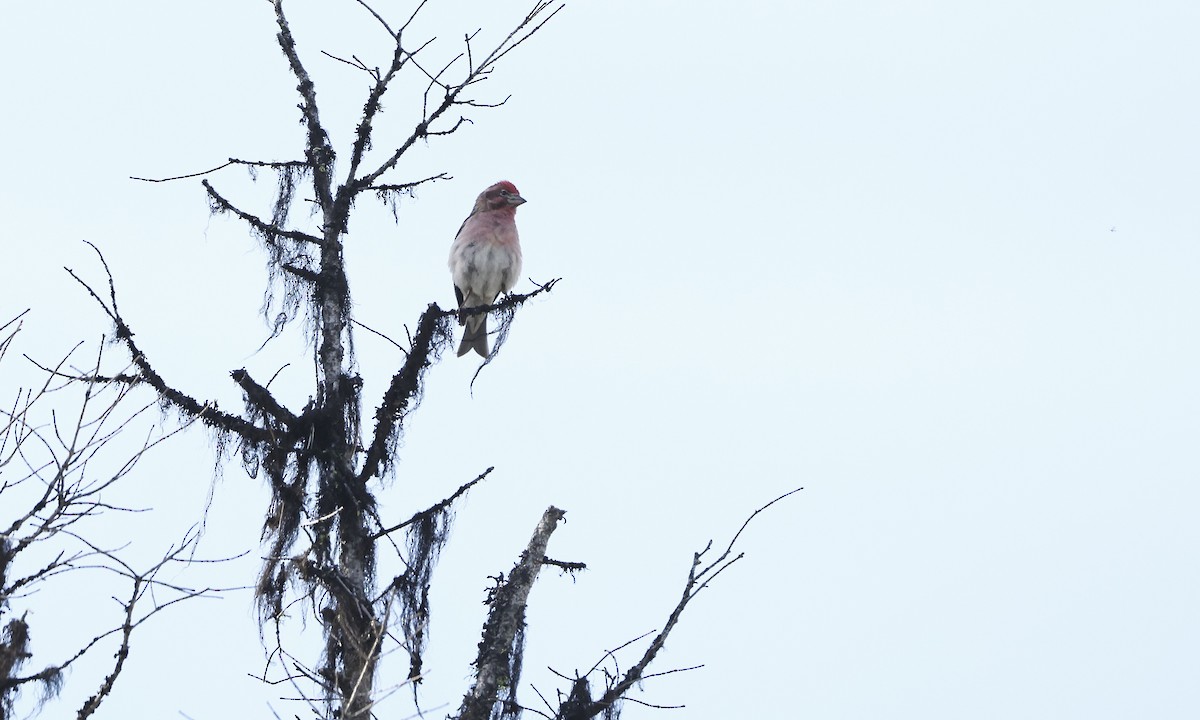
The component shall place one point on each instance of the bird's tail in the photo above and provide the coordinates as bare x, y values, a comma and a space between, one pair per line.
474, 336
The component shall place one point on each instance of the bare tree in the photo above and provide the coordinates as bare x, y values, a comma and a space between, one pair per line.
323, 528
53, 439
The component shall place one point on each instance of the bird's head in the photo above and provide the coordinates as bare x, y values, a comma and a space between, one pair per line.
499, 196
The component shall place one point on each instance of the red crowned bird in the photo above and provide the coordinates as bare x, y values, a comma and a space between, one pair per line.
485, 259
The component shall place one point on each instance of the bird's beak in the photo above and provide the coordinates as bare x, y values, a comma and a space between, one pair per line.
515, 199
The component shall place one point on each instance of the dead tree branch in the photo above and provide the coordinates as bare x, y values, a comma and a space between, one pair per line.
319, 155
265, 229
580, 706
276, 165
494, 666
319, 468
440, 507
50, 493
205, 412
533, 21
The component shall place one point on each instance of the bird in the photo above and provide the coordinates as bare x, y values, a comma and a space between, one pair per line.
485, 259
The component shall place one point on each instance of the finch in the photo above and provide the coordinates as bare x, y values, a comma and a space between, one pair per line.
485, 259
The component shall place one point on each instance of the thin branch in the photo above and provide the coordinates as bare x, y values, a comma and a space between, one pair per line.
206, 412
408, 186
474, 73
478, 104
357, 64
122, 378
695, 583
183, 177
362, 138
268, 230
231, 161
671, 672
376, 332
436, 508
395, 36
143, 582
16, 319
494, 58
412, 17
319, 154
652, 705
544, 702
738, 534
613, 653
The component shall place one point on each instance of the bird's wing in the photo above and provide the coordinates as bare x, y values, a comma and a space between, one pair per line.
464, 222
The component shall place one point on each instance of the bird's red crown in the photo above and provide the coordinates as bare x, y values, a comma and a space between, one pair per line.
501, 196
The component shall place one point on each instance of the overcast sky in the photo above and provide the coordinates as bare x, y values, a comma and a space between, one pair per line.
934, 261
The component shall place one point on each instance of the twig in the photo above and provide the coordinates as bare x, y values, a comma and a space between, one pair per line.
474, 73
376, 332
357, 64
383, 22
408, 186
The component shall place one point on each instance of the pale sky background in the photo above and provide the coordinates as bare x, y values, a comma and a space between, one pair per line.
934, 261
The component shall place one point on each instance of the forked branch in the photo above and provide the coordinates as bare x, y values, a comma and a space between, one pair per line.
533, 21
51, 487
699, 576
